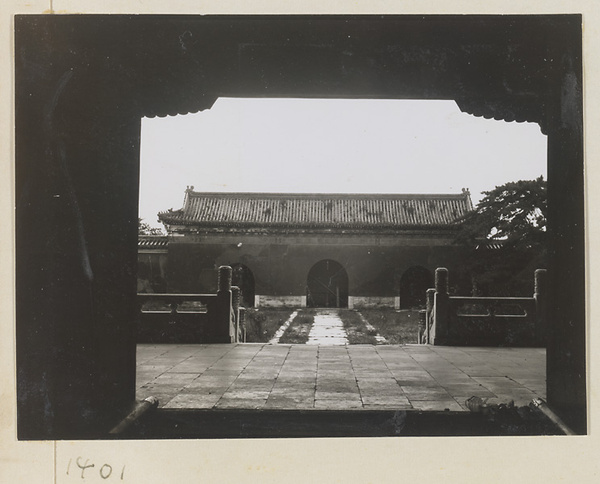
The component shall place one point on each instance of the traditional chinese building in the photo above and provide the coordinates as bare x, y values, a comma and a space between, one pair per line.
315, 250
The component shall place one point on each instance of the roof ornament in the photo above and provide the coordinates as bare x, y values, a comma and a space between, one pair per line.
189, 188
467, 195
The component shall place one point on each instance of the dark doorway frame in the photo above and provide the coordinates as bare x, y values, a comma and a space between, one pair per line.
83, 82
327, 285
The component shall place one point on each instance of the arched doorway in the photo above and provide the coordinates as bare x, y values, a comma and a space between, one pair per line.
413, 287
327, 285
243, 278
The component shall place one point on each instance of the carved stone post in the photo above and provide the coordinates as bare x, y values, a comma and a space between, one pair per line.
540, 306
422, 338
441, 280
236, 294
429, 314
222, 331
243, 324
235, 297
224, 279
441, 304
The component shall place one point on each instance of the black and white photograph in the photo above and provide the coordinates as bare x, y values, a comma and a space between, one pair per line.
302, 254
298, 226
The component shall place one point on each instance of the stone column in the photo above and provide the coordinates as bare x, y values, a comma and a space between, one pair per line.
77, 178
429, 314
242, 312
441, 303
222, 327
422, 338
236, 295
565, 323
224, 278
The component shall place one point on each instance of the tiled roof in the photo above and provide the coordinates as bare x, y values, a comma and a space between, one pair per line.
350, 211
153, 241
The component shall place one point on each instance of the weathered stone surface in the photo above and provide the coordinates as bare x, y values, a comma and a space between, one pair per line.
433, 378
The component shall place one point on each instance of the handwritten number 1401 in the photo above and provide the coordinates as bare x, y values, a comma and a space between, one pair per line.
105, 471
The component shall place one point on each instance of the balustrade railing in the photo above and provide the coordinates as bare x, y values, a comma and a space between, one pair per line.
193, 318
484, 321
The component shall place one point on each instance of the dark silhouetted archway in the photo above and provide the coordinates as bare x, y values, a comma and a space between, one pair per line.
81, 91
327, 285
413, 287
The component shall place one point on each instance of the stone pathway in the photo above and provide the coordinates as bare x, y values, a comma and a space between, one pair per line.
327, 329
279, 333
337, 377
380, 339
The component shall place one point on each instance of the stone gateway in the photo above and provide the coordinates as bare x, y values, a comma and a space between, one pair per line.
308, 250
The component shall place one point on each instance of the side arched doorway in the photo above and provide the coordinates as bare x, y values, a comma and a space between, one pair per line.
413, 287
243, 278
327, 285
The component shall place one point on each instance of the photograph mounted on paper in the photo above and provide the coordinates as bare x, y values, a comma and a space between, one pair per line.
299, 226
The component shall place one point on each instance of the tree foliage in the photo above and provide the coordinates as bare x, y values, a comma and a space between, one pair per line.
514, 213
505, 237
145, 229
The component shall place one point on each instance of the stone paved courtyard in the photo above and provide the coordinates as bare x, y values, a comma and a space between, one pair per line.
337, 377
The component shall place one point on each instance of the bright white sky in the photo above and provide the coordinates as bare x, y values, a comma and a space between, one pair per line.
332, 146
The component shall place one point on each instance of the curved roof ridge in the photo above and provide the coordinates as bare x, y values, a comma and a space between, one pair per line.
284, 195
347, 210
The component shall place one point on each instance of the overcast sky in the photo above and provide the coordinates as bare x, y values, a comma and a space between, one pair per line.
332, 146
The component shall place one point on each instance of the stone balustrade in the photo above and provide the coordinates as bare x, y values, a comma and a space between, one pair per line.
484, 321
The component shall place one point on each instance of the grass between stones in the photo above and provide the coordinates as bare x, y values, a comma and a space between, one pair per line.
261, 324
297, 332
355, 327
397, 327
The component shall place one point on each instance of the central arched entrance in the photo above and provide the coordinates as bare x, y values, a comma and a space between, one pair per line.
327, 285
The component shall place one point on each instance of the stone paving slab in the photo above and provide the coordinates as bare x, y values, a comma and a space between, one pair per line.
263, 376
327, 329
